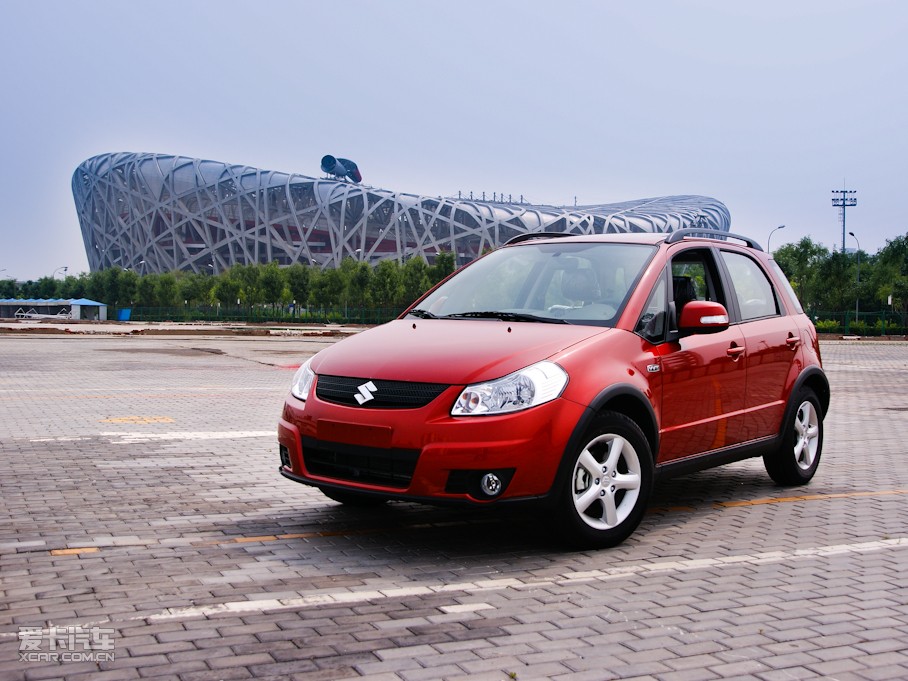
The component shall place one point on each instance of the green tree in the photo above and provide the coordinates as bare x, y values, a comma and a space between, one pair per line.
327, 288
442, 267
74, 287
249, 278
110, 285
386, 287
346, 269
96, 287
166, 290
193, 288
8, 288
146, 291
298, 282
889, 275
127, 288
838, 292
47, 287
271, 283
28, 290
800, 263
415, 279
227, 290
358, 284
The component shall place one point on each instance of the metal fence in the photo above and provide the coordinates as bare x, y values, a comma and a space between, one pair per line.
880, 323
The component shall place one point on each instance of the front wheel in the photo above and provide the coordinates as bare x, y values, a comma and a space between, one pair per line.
611, 477
796, 460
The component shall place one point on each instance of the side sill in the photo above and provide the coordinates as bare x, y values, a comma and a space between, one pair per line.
720, 457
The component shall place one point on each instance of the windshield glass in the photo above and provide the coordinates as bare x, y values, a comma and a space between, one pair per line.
576, 283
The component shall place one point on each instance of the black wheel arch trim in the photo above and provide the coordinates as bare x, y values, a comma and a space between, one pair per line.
814, 378
617, 391
614, 393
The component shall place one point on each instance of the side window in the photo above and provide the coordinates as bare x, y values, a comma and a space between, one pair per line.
651, 324
753, 290
693, 278
786, 285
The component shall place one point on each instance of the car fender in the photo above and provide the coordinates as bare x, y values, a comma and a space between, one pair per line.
624, 398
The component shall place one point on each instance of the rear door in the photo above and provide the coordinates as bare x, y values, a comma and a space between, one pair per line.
772, 341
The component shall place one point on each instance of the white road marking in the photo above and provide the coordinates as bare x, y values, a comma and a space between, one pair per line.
133, 438
118, 438
466, 607
566, 580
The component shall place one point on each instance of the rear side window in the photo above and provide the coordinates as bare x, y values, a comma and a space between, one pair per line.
754, 292
786, 285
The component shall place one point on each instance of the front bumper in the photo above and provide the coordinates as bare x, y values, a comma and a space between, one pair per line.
425, 454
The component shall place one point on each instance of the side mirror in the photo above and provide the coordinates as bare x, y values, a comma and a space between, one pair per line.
702, 316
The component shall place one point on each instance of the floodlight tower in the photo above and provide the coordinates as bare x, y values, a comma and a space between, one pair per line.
843, 202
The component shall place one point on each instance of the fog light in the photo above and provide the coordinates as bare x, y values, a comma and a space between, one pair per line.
490, 484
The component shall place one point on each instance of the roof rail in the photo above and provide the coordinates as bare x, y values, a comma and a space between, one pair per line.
680, 234
529, 236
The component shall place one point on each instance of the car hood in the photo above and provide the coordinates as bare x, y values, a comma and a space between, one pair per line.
447, 351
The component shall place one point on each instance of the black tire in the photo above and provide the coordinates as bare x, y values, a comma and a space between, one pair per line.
353, 499
795, 461
607, 483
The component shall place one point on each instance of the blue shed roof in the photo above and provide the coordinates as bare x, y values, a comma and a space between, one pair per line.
50, 301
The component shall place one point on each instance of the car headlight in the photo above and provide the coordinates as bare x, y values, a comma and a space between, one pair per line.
302, 381
537, 384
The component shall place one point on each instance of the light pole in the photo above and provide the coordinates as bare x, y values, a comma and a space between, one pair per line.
857, 296
65, 270
843, 202
768, 249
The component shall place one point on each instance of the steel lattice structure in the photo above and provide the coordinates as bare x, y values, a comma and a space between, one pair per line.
159, 213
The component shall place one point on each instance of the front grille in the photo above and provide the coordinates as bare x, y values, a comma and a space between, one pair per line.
387, 394
388, 467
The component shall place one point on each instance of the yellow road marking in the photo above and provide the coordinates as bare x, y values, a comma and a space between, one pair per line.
74, 552
809, 497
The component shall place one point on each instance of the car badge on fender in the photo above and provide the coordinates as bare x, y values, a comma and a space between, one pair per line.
366, 392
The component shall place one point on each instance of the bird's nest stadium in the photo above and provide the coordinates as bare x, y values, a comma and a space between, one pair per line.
159, 213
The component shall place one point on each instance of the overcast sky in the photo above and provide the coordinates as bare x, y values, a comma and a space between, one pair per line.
767, 106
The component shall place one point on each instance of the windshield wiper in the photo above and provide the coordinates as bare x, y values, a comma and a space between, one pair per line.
507, 317
423, 314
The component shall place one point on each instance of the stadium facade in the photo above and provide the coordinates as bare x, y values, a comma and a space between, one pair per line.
160, 213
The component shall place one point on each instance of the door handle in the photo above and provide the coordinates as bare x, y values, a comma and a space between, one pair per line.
735, 352
793, 341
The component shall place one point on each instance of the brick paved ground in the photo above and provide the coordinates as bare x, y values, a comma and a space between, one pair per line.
140, 495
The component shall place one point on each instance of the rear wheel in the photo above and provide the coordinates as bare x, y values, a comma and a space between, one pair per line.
611, 477
796, 460
354, 499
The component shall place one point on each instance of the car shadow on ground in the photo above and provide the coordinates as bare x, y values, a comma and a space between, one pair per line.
466, 535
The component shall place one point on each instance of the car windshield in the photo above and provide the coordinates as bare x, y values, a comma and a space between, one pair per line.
561, 282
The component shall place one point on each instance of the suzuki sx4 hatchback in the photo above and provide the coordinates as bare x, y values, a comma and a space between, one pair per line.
568, 371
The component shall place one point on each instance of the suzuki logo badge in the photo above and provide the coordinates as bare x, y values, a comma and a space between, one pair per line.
365, 393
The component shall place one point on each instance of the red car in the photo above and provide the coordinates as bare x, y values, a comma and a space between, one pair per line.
569, 371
